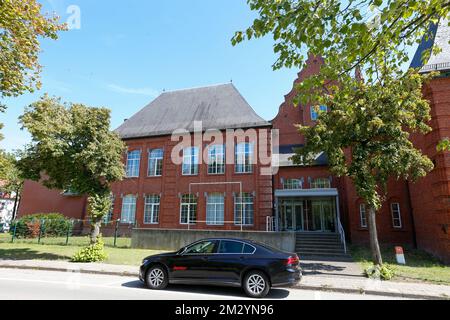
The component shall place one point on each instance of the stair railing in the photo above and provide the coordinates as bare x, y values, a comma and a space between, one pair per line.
342, 235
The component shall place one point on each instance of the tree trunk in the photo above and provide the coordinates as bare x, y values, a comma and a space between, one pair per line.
374, 245
95, 230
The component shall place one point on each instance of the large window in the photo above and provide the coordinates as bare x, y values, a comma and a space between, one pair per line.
315, 114
133, 162
190, 161
396, 215
321, 183
215, 209
292, 184
128, 209
151, 209
216, 159
244, 157
243, 207
362, 215
188, 209
155, 162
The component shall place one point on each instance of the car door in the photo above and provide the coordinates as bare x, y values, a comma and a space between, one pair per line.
193, 263
229, 261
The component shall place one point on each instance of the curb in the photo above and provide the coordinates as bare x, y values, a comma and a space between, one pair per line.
298, 287
73, 270
370, 292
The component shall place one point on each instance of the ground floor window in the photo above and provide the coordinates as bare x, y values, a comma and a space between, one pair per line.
243, 209
215, 209
151, 209
362, 215
128, 209
188, 209
396, 215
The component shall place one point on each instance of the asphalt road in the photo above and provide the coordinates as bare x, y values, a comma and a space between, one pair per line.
32, 284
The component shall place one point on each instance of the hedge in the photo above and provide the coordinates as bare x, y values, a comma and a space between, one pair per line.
54, 225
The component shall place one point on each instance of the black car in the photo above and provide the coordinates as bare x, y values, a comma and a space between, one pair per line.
227, 262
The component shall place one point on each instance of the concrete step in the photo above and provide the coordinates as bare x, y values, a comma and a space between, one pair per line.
309, 241
306, 254
329, 247
321, 249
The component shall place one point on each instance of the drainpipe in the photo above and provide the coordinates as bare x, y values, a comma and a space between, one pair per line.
413, 225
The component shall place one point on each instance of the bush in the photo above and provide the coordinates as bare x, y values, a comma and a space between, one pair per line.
54, 225
93, 253
383, 272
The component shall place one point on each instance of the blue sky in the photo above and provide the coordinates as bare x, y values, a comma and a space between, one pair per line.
126, 53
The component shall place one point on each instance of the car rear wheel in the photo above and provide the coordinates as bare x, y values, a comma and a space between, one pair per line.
157, 278
256, 284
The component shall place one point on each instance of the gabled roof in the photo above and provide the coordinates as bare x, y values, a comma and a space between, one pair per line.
439, 35
218, 107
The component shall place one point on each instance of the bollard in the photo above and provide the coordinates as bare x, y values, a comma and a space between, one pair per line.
116, 230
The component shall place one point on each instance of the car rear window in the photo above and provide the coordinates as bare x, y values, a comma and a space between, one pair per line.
248, 249
230, 247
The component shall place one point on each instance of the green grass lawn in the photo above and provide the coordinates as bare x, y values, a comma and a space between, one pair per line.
420, 266
55, 249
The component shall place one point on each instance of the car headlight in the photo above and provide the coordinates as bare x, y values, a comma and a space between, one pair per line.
144, 261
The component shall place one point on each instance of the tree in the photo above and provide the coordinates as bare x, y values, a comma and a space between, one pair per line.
73, 149
21, 26
365, 134
10, 174
346, 34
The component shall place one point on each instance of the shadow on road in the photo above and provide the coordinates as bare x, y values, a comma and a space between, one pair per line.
277, 293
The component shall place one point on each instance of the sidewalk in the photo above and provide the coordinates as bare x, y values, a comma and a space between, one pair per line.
339, 277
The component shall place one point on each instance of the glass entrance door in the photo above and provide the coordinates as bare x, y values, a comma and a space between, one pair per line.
323, 216
292, 215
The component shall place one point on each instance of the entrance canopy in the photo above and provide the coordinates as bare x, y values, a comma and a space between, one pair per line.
332, 192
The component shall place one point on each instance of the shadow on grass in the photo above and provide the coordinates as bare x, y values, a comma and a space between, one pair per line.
29, 254
414, 257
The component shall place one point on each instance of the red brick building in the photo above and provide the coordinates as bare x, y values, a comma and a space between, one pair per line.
221, 183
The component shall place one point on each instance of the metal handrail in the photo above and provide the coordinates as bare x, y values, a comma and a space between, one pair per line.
342, 234
270, 224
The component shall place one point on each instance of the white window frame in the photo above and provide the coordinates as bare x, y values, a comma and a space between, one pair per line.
155, 161
216, 159
399, 218
133, 164
152, 205
243, 200
319, 183
191, 209
314, 114
362, 215
244, 157
215, 209
128, 214
190, 161
289, 183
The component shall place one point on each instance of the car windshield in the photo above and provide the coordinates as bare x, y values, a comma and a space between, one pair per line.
201, 247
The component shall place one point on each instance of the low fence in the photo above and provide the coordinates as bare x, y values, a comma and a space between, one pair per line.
72, 228
174, 239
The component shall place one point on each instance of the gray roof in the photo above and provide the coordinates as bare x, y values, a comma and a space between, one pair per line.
440, 36
218, 107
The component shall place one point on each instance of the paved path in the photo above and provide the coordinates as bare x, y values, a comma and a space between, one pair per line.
55, 285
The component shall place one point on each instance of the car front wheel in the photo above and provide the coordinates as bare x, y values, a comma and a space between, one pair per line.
256, 284
157, 278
